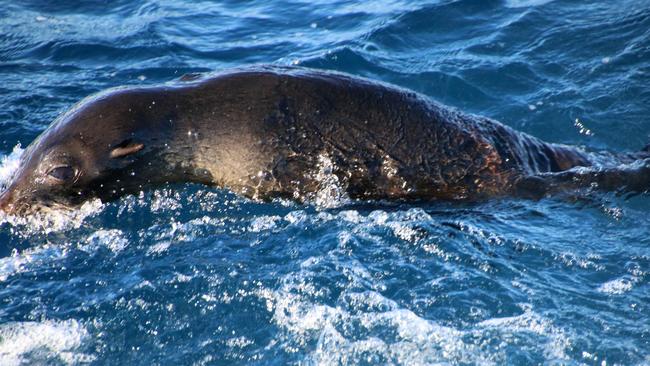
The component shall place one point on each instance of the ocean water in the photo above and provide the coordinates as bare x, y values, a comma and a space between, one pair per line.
191, 275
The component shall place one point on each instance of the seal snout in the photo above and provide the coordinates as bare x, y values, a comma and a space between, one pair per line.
6, 201
11, 200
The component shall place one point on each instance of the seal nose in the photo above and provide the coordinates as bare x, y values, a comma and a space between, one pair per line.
6, 204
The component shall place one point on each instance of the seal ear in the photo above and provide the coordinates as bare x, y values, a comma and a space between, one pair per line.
191, 76
126, 147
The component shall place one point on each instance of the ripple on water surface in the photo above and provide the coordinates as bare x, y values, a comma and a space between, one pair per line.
365, 285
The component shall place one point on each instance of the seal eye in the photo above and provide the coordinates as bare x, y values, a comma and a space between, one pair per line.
63, 173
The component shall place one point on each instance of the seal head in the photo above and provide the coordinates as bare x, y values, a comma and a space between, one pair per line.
74, 158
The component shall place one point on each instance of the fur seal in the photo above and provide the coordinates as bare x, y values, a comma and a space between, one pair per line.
268, 132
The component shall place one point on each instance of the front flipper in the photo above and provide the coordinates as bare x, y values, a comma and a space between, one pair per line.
633, 177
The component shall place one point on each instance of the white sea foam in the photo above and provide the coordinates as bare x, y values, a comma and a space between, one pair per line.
296, 217
616, 287
553, 339
418, 341
166, 200
112, 239
367, 327
264, 223
52, 220
159, 248
33, 257
42, 342
404, 231
9, 165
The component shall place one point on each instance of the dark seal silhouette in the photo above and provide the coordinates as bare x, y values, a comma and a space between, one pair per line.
290, 132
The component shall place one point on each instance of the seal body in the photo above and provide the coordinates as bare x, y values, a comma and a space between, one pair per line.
281, 132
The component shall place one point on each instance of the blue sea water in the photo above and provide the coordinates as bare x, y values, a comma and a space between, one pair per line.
191, 275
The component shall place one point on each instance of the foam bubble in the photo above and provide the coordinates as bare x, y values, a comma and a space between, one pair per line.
571, 259
41, 342
166, 200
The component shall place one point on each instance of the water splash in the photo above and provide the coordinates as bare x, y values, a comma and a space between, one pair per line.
368, 328
331, 191
43, 342
51, 221
9, 164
